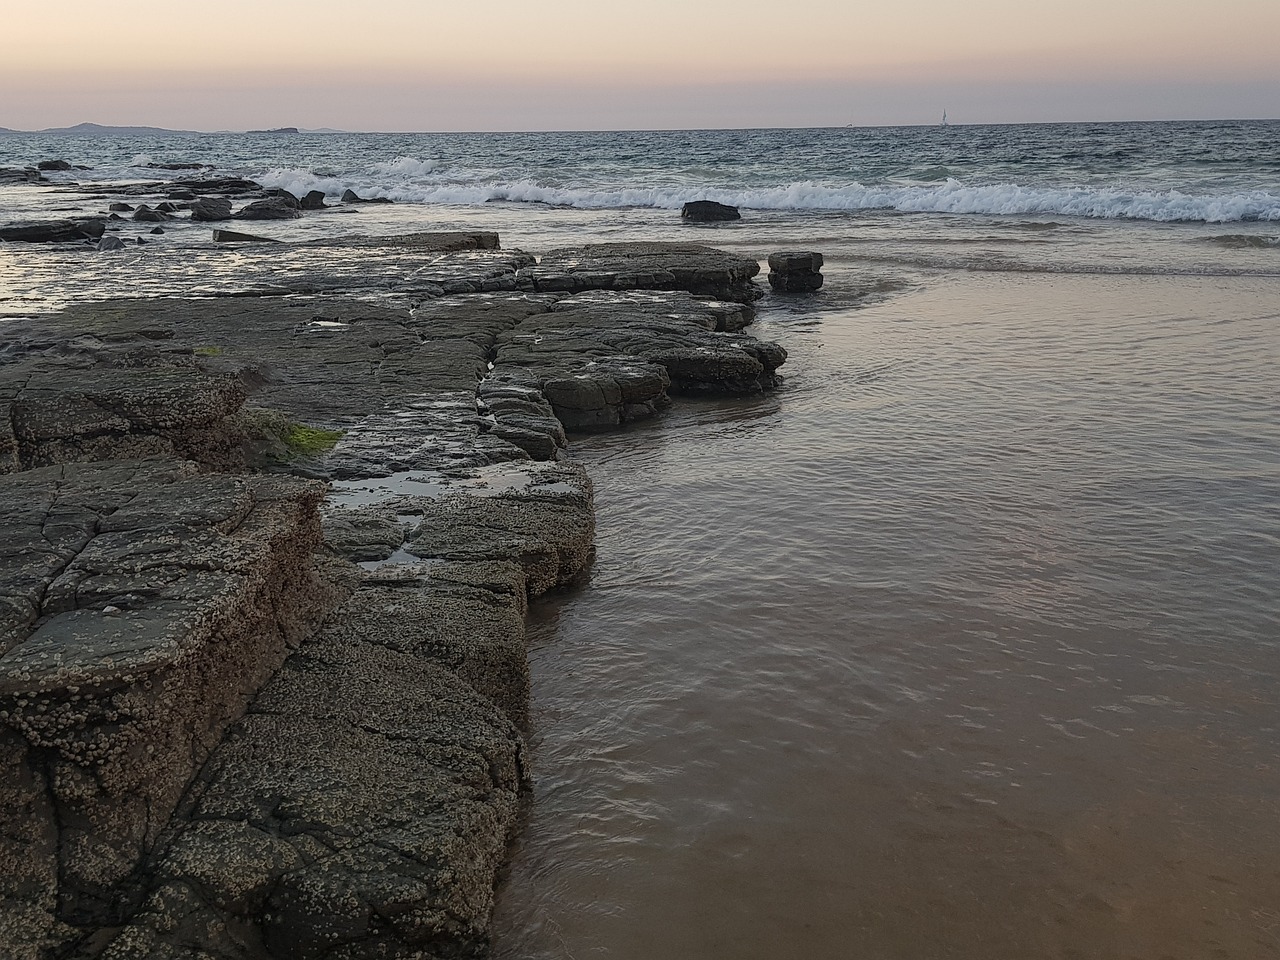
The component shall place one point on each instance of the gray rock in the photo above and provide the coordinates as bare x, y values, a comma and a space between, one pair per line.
350, 196
645, 266
56, 231
207, 209
10, 176
709, 211
145, 214
112, 243
272, 208
120, 208
141, 603
232, 236
53, 165
279, 193
795, 271
234, 186
314, 200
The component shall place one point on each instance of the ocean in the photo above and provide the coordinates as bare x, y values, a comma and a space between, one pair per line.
964, 643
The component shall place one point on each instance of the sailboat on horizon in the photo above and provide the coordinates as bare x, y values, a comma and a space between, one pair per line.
944, 120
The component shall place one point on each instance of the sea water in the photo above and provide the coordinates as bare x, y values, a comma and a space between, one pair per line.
963, 643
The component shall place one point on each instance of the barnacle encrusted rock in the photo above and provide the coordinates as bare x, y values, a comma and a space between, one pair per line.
142, 604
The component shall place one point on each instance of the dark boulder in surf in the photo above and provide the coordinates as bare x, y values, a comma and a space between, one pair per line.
708, 211
314, 200
795, 271
350, 196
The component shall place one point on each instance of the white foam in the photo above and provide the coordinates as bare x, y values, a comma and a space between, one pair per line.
407, 167
412, 181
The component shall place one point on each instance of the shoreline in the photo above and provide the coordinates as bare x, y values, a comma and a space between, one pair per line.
242, 719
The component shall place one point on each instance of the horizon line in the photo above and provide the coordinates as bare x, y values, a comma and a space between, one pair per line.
330, 131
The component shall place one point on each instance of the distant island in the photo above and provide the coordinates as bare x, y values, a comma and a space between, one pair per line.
100, 130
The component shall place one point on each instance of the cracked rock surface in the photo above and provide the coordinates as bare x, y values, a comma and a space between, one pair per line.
142, 605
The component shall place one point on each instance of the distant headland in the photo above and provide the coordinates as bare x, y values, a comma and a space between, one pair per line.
100, 130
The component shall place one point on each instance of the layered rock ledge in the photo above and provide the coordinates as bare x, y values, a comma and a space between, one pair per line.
264, 577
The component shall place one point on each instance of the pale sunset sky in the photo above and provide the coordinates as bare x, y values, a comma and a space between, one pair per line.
420, 65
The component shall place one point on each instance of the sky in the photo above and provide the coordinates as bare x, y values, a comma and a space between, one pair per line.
427, 65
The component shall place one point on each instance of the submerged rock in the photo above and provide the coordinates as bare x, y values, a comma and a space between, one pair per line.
53, 165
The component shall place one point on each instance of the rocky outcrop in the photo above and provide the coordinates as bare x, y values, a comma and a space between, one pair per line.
9, 176
795, 271
708, 211
179, 796
314, 200
91, 401
60, 165
142, 603
232, 186
705, 271
56, 231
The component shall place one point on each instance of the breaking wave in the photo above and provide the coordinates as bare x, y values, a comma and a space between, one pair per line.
427, 181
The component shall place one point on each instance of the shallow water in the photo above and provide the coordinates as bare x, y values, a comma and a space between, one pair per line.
963, 645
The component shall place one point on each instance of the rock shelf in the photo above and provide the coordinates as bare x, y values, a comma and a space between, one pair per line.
265, 568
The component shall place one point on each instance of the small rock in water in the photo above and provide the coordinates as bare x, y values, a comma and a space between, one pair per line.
708, 211
53, 165
210, 208
120, 208
350, 196
273, 208
279, 193
795, 271
157, 229
231, 236
314, 200
145, 214
111, 243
